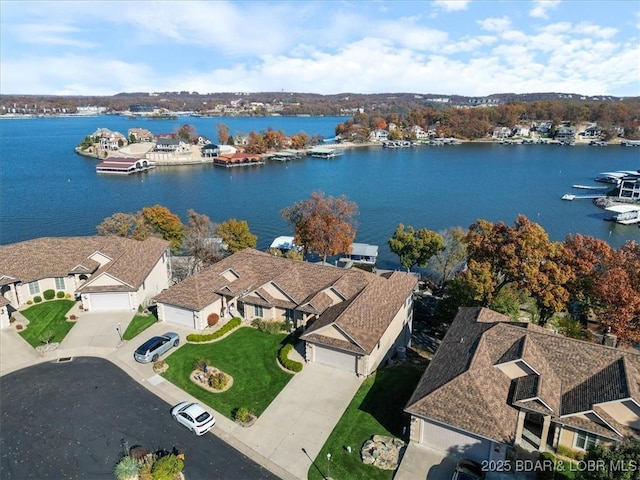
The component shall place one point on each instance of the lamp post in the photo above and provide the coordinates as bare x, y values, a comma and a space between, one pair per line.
328, 466
119, 330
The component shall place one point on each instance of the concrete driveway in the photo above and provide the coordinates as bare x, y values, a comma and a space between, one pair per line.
303, 415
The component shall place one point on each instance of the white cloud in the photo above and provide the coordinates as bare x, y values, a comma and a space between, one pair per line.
495, 24
451, 5
541, 7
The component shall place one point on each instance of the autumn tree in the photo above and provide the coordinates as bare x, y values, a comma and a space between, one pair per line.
223, 133
164, 223
186, 132
619, 461
120, 225
323, 225
446, 261
521, 255
415, 247
236, 235
199, 244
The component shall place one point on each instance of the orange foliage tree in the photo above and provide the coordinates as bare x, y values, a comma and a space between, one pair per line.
323, 225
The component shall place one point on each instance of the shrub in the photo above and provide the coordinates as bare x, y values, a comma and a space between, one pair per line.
283, 358
159, 366
212, 319
29, 302
49, 294
256, 322
569, 452
127, 468
72, 317
60, 294
218, 381
37, 299
242, 414
201, 364
227, 327
67, 295
269, 327
140, 308
558, 472
167, 467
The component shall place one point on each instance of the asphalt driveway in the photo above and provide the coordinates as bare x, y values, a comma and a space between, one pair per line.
70, 420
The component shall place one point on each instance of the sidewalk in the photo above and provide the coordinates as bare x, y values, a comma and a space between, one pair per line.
302, 416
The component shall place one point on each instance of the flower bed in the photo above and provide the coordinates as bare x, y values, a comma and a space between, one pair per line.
208, 379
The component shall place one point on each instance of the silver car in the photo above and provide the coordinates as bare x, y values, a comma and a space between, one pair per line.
151, 350
194, 417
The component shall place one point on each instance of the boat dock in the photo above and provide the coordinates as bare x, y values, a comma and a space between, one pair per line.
570, 196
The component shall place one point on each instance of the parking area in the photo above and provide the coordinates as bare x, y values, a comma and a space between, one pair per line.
70, 420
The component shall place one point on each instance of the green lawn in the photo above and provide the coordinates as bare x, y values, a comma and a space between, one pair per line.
47, 318
375, 410
248, 355
138, 325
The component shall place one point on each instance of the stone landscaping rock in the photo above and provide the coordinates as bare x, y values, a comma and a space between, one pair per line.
382, 452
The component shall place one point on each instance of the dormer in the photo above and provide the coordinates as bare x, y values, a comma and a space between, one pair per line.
101, 258
230, 275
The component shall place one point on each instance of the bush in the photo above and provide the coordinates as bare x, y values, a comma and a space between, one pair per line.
140, 308
242, 414
212, 319
49, 294
167, 467
283, 358
218, 381
37, 299
60, 294
127, 468
555, 473
569, 452
29, 302
201, 364
198, 337
270, 327
67, 295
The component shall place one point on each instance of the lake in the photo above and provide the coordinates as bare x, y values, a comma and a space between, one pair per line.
49, 190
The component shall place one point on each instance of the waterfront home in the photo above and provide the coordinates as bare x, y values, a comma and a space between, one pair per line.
171, 145
378, 135
350, 319
109, 140
210, 150
106, 273
501, 133
140, 134
361, 253
124, 165
418, 133
565, 134
494, 384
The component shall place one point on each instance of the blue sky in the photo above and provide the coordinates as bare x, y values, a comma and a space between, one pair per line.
465, 47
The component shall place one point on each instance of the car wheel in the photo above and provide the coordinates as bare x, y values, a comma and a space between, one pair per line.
154, 358
176, 343
194, 431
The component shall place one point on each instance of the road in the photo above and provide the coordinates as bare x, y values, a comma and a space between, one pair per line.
70, 420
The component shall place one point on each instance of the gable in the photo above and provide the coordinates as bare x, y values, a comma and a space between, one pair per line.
332, 332
230, 275
626, 412
100, 257
105, 280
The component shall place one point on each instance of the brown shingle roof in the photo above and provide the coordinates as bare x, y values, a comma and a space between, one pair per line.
50, 257
571, 376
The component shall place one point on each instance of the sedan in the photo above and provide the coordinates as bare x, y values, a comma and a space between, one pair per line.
194, 417
151, 350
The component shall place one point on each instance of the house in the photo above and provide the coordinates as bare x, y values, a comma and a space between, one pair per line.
521, 131
419, 133
169, 145
141, 134
494, 384
630, 187
5, 315
361, 253
592, 131
109, 140
105, 272
501, 133
565, 134
349, 318
210, 150
378, 135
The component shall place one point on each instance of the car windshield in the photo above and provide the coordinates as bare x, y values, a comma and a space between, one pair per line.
202, 417
148, 345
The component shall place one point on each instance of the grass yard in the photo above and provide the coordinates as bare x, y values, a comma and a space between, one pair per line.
248, 355
377, 409
47, 319
139, 324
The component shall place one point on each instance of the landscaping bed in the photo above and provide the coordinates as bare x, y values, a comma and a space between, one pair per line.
47, 322
376, 409
248, 355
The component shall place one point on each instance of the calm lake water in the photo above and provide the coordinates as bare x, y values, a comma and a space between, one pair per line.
48, 190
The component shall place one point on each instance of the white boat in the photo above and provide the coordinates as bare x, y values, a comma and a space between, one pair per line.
568, 196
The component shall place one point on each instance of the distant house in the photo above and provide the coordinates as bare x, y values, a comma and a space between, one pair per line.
110, 140
419, 132
106, 272
565, 134
630, 187
379, 135
495, 384
501, 133
332, 307
593, 131
167, 144
210, 150
141, 134
521, 131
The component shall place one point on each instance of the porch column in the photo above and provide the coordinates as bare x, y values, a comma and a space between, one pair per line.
546, 421
520, 426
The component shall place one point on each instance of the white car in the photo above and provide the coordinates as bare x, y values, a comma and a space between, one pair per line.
194, 417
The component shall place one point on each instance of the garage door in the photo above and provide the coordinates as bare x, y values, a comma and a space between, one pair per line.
178, 316
335, 358
447, 439
101, 302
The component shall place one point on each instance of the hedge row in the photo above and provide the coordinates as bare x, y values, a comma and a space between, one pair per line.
283, 357
199, 337
559, 471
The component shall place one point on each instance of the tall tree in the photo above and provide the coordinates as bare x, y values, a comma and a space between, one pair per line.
616, 462
415, 247
451, 257
165, 224
223, 133
523, 255
323, 225
120, 225
236, 234
199, 243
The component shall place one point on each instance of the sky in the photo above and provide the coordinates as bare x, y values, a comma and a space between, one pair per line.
442, 47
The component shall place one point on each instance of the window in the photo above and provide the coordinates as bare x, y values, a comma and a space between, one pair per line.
585, 440
34, 287
257, 310
60, 283
288, 314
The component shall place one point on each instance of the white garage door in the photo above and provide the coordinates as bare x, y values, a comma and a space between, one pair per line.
335, 358
178, 316
447, 439
101, 302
